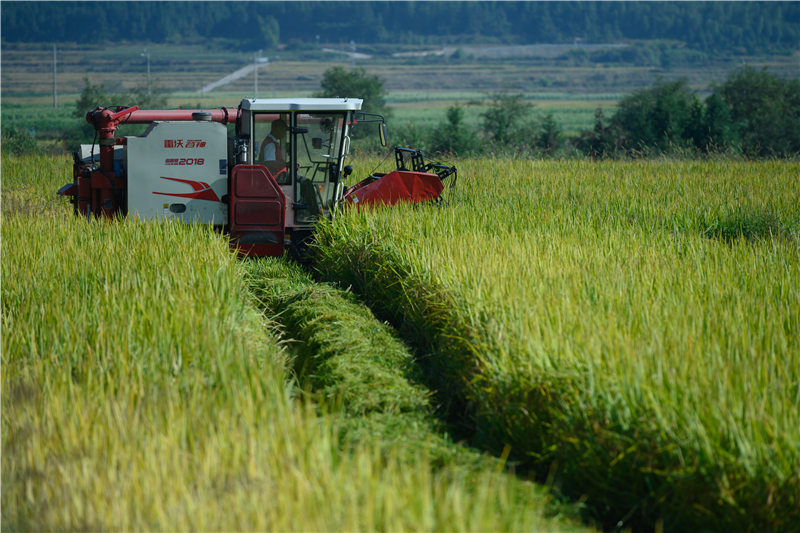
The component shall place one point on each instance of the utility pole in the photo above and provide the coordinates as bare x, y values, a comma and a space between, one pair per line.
55, 90
257, 62
255, 74
147, 55
352, 54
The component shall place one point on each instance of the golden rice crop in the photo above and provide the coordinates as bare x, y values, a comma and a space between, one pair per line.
630, 328
142, 390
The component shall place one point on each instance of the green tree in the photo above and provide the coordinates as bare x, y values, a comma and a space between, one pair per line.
539, 135
549, 135
409, 135
506, 114
155, 98
766, 110
270, 31
656, 119
600, 141
715, 129
18, 141
93, 96
452, 136
97, 95
355, 83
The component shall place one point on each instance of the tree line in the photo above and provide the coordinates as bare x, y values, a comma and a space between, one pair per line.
713, 27
753, 113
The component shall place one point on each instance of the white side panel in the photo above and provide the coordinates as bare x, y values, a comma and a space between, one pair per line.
179, 170
288, 192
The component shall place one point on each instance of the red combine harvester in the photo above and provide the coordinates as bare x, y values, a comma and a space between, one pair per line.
266, 185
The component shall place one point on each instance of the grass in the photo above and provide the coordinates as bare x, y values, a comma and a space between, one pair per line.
630, 329
143, 389
572, 114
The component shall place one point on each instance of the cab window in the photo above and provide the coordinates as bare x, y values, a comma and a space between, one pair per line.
271, 143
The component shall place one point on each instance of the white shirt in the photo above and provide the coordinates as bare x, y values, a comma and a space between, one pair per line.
269, 148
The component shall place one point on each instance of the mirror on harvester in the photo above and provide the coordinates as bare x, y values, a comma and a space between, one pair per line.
382, 133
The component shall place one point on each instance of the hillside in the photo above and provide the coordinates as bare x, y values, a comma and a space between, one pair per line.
710, 27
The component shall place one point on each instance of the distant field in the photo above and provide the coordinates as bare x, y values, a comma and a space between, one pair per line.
27, 73
420, 89
420, 108
573, 112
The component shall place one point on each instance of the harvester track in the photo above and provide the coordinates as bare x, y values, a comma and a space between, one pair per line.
347, 360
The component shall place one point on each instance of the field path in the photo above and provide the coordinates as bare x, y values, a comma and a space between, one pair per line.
241, 73
351, 55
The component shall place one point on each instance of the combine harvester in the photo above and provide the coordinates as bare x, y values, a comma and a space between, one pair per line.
266, 185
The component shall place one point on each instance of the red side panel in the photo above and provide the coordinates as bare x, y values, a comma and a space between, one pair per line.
257, 212
396, 186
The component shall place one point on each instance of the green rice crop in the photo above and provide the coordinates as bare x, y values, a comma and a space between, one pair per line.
630, 329
142, 389
573, 113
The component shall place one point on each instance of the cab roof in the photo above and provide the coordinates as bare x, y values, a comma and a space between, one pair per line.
302, 104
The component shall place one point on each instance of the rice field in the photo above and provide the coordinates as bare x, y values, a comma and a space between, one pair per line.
145, 387
624, 332
629, 329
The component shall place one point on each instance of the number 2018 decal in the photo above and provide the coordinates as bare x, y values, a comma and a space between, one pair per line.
185, 161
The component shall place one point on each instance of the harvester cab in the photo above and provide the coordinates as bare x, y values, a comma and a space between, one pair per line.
266, 183
291, 152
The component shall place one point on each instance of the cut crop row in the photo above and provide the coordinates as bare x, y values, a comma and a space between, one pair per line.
354, 368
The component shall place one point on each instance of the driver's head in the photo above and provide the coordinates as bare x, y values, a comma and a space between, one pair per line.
279, 128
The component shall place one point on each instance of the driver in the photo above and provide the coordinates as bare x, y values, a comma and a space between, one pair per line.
270, 152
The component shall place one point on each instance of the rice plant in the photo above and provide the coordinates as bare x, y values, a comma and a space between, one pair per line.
629, 329
143, 389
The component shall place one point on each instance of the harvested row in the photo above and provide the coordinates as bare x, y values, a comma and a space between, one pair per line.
630, 329
349, 362
354, 367
142, 390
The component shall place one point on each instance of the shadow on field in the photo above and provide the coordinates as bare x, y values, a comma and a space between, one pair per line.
749, 226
